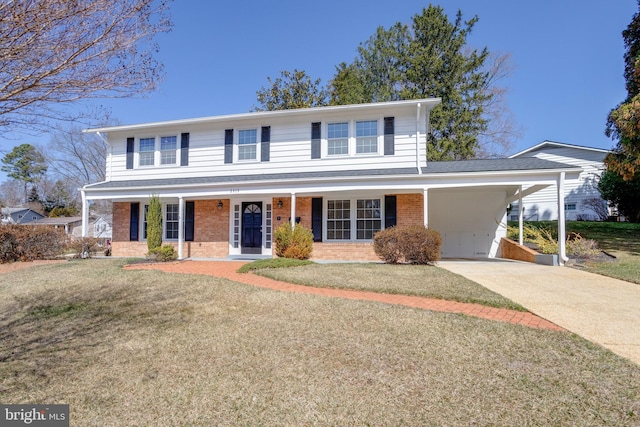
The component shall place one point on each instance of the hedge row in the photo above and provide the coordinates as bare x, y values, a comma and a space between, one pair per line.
29, 243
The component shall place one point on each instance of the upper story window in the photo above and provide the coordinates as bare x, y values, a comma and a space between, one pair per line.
247, 144
168, 146
147, 151
338, 139
367, 137
354, 137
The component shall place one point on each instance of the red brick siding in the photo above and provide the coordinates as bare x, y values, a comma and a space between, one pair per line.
409, 209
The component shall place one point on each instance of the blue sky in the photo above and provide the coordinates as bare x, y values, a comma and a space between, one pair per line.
567, 57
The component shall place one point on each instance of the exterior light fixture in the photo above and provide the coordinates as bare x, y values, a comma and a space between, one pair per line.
220, 205
279, 204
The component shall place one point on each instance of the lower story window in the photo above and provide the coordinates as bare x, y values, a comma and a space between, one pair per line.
171, 222
359, 218
369, 220
339, 220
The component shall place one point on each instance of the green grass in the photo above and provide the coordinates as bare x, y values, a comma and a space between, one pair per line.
418, 280
149, 348
272, 263
621, 239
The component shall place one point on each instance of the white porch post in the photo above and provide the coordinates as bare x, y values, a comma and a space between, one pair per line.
425, 207
85, 215
180, 226
562, 250
520, 217
293, 210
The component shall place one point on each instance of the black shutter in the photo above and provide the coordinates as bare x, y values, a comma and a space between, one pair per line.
265, 140
390, 211
389, 132
130, 148
316, 143
134, 222
184, 149
228, 146
316, 218
189, 221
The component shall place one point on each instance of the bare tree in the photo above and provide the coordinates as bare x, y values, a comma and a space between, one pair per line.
56, 52
502, 131
11, 193
77, 157
598, 206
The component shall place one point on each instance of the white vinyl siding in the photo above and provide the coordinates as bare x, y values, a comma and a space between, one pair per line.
290, 148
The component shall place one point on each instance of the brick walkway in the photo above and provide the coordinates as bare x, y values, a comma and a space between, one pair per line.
227, 269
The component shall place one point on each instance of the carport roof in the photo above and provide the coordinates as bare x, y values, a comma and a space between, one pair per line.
432, 168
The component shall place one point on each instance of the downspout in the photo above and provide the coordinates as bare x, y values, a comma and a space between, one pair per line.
418, 139
109, 155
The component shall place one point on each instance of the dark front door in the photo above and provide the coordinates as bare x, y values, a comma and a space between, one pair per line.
251, 228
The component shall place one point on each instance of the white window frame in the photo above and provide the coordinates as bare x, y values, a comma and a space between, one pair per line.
247, 145
159, 159
353, 217
342, 139
353, 138
143, 154
367, 138
143, 224
169, 154
570, 206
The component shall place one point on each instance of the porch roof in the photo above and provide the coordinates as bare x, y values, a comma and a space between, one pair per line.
434, 169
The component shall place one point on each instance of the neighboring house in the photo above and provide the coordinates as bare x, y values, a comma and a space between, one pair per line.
345, 172
19, 215
72, 225
543, 205
102, 227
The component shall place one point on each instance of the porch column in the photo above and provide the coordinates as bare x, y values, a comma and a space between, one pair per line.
293, 210
180, 226
425, 207
85, 215
520, 217
562, 250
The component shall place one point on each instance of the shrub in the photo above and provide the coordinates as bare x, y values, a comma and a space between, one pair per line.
85, 247
29, 243
386, 245
293, 242
545, 242
578, 247
162, 253
412, 244
154, 223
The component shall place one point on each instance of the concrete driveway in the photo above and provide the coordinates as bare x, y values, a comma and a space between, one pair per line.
603, 310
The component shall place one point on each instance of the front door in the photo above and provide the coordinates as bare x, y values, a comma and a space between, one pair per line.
251, 228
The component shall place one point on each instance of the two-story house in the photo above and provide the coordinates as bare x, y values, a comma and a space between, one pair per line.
345, 172
543, 204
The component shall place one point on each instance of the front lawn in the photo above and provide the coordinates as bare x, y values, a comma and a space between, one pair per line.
418, 280
129, 347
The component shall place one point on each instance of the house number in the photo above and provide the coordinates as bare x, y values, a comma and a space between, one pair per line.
234, 190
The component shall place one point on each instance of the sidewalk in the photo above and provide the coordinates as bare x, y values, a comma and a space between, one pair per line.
227, 269
601, 309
